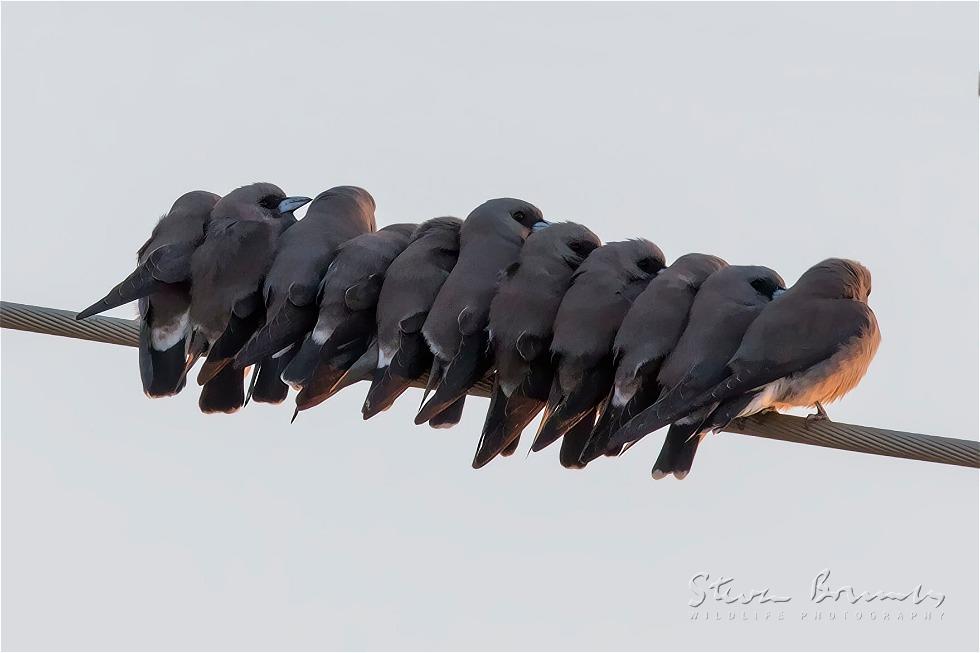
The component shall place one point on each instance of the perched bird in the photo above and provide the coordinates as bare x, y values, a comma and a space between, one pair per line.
227, 270
809, 346
650, 330
602, 290
161, 283
410, 287
728, 302
522, 314
303, 253
348, 296
456, 327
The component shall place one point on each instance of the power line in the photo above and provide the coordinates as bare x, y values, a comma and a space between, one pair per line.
835, 435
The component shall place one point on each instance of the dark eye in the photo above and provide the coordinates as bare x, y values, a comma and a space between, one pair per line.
648, 265
765, 287
581, 247
519, 215
269, 202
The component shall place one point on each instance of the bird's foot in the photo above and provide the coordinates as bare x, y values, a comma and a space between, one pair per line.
819, 416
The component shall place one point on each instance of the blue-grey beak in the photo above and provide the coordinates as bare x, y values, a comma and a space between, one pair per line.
290, 204
538, 226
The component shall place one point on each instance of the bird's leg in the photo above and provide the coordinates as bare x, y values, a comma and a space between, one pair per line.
819, 416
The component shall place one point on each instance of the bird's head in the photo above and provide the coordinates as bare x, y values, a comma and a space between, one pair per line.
259, 201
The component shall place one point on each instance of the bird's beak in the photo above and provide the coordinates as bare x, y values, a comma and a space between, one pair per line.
538, 226
290, 204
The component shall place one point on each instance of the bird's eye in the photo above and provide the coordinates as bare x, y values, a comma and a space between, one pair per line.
269, 202
765, 287
581, 247
519, 215
648, 265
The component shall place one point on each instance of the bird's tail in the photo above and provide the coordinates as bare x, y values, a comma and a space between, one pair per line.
267, 386
570, 455
450, 416
325, 381
470, 364
223, 351
224, 392
162, 371
506, 420
303, 364
281, 330
677, 454
137, 285
580, 402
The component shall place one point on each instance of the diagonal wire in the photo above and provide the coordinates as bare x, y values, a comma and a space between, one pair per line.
835, 435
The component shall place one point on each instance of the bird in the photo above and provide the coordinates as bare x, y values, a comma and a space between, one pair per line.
650, 330
810, 346
727, 303
522, 314
602, 290
303, 253
161, 283
455, 329
347, 298
410, 287
227, 271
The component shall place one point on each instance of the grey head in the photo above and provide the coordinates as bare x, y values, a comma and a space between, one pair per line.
568, 242
694, 268
262, 202
748, 284
504, 214
625, 260
444, 230
836, 278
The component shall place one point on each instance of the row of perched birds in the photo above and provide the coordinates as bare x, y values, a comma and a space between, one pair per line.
607, 340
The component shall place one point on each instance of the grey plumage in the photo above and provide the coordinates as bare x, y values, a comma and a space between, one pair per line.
602, 290
347, 298
227, 270
809, 346
522, 314
455, 328
652, 327
302, 256
410, 287
728, 302
161, 283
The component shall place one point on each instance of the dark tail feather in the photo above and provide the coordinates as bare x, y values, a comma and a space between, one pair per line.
578, 404
677, 454
138, 284
286, 327
612, 418
362, 369
511, 448
470, 364
450, 416
435, 376
386, 387
167, 376
236, 334
268, 387
506, 419
574, 441
224, 393
162, 372
325, 381
302, 366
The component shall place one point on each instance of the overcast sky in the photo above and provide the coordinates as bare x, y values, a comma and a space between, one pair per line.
771, 134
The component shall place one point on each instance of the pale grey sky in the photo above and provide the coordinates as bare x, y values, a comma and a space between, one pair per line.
774, 134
